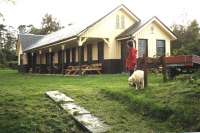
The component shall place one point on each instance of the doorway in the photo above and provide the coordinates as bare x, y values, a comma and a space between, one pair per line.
124, 52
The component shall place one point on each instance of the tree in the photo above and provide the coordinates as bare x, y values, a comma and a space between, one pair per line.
188, 41
10, 41
7, 43
35, 30
10, 1
49, 24
24, 29
3, 30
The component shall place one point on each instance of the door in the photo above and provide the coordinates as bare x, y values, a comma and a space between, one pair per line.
142, 47
82, 54
67, 57
59, 59
124, 52
89, 53
100, 52
73, 56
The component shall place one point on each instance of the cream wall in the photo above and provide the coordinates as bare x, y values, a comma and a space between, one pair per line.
37, 59
85, 53
94, 52
76, 60
19, 52
65, 56
55, 58
157, 34
43, 61
106, 28
24, 59
70, 55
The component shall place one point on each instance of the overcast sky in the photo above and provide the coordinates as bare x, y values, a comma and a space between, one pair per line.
72, 11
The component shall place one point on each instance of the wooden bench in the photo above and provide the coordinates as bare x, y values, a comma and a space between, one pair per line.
73, 70
92, 68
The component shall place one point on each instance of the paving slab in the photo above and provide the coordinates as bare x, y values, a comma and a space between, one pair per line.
58, 96
80, 114
92, 123
74, 109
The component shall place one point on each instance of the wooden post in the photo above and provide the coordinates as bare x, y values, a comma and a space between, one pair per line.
164, 69
145, 71
40, 54
79, 60
62, 58
32, 63
50, 60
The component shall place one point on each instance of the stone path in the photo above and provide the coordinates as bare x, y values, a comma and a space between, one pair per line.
81, 115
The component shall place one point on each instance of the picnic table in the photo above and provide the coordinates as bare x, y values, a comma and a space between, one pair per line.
73, 70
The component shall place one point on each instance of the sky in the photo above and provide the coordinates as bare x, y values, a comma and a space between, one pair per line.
73, 11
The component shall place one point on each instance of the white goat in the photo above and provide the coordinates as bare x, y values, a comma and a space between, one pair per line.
137, 78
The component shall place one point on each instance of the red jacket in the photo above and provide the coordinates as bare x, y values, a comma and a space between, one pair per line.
131, 59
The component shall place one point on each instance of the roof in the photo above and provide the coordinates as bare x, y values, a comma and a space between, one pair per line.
128, 32
62, 34
27, 40
137, 26
72, 31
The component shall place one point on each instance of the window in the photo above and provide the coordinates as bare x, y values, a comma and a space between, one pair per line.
160, 47
122, 22
142, 47
117, 22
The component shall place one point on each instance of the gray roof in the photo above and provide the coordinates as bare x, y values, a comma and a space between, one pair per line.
65, 33
132, 29
28, 40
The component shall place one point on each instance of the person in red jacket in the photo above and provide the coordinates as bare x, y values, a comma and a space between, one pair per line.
131, 58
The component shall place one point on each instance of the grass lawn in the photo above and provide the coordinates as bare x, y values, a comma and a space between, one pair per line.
171, 106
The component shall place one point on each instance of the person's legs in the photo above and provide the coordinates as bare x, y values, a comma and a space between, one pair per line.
131, 72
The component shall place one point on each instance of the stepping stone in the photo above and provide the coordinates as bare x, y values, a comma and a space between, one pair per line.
81, 115
92, 123
58, 96
74, 109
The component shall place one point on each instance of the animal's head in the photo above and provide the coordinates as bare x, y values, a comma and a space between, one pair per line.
131, 81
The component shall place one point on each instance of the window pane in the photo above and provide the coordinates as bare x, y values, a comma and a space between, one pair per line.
160, 47
117, 21
142, 47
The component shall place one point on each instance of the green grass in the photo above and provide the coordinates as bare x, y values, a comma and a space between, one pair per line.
171, 106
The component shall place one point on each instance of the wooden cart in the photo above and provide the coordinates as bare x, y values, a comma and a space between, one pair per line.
181, 64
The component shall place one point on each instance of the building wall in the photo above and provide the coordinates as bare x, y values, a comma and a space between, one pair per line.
85, 53
37, 59
43, 61
76, 60
24, 59
107, 29
55, 58
70, 55
64, 56
18, 51
94, 52
152, 36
